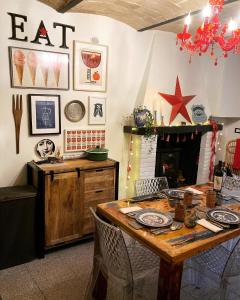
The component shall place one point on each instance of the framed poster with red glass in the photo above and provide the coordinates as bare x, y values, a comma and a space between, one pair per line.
90, 67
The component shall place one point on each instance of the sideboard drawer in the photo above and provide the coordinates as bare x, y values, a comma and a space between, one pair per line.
100, 179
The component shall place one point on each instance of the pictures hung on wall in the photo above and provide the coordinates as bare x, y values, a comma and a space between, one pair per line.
83, 139
96, 111
35, 69
90, 67
44, 114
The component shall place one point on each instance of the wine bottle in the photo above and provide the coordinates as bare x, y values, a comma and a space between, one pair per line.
218, 177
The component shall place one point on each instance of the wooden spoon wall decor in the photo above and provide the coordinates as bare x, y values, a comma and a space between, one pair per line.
17, 114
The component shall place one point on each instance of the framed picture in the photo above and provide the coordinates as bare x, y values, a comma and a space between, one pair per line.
96, 111
81, 139
35, 69
90, 67
44, 114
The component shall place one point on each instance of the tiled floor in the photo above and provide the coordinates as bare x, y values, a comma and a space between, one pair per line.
63, 275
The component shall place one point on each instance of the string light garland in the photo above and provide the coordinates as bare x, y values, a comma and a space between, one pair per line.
210, 34
130, 151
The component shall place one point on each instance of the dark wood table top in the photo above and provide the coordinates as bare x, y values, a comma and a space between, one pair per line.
159, 244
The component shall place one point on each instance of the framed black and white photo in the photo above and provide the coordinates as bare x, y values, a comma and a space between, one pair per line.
96, 111
44, 114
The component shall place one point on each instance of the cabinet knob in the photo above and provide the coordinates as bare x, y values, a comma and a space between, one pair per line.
99, 191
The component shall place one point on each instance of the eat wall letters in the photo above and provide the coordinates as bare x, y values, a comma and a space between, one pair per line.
18, 22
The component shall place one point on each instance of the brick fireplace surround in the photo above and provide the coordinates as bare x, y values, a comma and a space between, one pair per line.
148, 158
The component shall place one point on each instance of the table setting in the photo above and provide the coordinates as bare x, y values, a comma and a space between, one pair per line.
186, 210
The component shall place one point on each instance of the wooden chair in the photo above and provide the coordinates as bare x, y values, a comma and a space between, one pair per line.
229, 156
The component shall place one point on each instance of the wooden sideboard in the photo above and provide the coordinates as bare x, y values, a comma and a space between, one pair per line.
65, 193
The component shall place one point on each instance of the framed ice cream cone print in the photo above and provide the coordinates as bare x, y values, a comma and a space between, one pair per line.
35, 69
90, 67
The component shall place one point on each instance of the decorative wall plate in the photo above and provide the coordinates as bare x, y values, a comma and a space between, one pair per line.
74, 111
198, 114
153, 218
224, 216
45, 148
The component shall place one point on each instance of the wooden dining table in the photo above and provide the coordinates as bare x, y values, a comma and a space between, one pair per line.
172, 257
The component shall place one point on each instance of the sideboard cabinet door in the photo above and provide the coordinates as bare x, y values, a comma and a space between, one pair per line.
63, 211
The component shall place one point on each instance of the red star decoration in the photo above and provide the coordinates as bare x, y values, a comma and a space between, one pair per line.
43, 31
178, 102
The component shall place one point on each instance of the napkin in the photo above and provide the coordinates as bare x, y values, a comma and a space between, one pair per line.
197, 192
209, 225
127, 210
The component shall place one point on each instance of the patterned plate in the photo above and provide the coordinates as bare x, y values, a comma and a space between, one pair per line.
173, 193
153, 218
224, 216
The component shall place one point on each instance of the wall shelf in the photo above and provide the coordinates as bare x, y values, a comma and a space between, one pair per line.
170, 129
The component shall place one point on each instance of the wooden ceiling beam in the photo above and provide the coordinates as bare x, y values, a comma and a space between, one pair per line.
179, 17
69, 5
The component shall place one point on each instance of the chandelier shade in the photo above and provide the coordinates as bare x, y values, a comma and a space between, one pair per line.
211, 34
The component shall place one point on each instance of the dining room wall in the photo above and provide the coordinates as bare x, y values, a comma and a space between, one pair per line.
139, 66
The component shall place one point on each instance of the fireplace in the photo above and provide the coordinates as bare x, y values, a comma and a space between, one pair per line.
191, 158
177, 159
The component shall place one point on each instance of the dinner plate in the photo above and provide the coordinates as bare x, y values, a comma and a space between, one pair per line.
224, 216
153, 218
74, 111
174, 193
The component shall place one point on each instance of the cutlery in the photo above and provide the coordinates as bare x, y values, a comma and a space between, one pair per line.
173, 227
17, 114
216, 223
191, 238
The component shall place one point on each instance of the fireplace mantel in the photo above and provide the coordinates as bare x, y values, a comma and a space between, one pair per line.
171, 129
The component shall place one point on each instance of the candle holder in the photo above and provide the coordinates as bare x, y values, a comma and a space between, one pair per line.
162, 121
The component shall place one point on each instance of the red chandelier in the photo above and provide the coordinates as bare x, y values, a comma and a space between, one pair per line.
211, 34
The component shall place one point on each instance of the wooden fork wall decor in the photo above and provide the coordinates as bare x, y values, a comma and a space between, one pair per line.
17, 114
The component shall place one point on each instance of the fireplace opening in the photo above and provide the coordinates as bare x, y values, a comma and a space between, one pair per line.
177, 159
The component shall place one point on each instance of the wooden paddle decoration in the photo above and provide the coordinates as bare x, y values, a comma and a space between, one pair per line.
17, 114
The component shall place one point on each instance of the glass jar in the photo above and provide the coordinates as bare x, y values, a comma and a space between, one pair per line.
190, 217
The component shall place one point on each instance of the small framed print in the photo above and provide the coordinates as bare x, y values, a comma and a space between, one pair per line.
90, 67
96, 111
44, 114
38, 69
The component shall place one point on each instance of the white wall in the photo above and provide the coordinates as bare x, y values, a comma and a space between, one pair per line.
139, 66
126, 64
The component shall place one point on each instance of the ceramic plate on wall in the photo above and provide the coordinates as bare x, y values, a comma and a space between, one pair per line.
74, 111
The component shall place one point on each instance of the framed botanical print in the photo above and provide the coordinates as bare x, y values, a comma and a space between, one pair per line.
44, 114
90, 67
37, 69
96, 111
